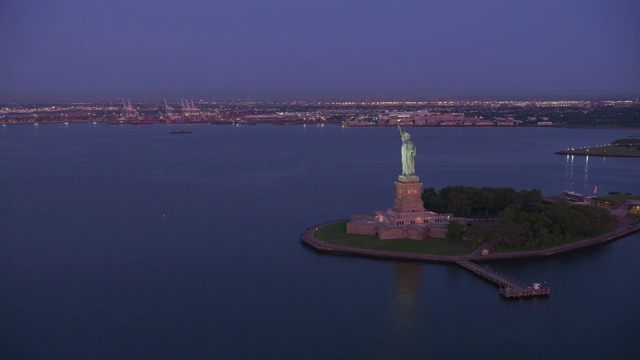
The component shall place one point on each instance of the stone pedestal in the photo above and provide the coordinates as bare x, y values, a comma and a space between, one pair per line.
408, 195
406, 220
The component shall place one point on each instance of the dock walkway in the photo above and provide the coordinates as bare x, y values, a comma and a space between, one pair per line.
509, 287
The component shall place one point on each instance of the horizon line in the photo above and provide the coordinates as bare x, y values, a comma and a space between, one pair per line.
5, 100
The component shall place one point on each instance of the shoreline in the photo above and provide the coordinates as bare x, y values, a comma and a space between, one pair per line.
310, 240
336, 123
569, 152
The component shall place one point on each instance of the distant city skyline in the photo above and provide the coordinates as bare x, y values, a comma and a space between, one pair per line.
73, 50
12, 100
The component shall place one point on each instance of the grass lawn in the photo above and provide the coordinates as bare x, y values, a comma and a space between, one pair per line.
337, 234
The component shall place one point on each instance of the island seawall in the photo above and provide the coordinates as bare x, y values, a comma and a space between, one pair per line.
309, 239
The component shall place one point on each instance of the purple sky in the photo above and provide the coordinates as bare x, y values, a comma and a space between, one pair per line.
317, 49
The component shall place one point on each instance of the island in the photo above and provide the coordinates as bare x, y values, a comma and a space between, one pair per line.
525, 224
468, 225
617, 148
532, 227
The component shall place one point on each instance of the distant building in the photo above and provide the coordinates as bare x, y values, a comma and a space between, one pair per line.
574, 197
634, 206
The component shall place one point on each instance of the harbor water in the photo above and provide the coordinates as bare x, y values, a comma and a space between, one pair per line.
130, 242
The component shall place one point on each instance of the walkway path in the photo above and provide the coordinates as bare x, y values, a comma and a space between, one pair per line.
489, 274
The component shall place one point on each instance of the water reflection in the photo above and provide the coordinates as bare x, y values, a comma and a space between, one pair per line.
586, 168
573, 170
568, 173
407, 277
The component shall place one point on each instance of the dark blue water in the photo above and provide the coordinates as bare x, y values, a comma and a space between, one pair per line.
129, 242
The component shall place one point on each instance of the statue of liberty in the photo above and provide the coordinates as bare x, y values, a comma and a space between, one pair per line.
408, 151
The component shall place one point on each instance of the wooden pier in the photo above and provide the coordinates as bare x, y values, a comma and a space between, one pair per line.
509, 287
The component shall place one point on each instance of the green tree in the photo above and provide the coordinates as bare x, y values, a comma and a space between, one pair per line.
507, 232
432, 200
531, 201
503, 198
476, 234
454, 231
525, 220
485, 201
